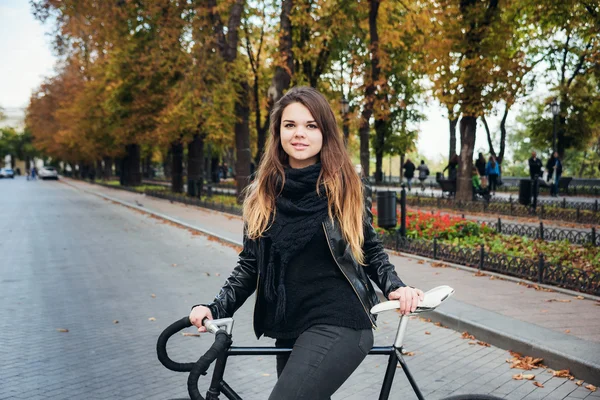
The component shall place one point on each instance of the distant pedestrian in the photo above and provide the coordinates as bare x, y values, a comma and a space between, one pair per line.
480, 165
554, 168
33, 173
423, 174
492, 170
452, 168
409, 172
535, 166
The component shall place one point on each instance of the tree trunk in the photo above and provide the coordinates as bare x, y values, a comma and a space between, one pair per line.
214, 169
242, 141
130, 173
583, 165
107, 174
380, 128
147, 165
503, 135
167, 164
452, 123
489, 136
468, 129
283, 72
177, 169
119, 167
99, 170
195, 166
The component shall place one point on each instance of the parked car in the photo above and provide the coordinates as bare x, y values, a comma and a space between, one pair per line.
7, 173
48, 172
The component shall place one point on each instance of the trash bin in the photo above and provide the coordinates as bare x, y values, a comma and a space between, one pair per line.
386, 209
525, 192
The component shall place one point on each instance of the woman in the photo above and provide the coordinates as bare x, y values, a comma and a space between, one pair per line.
492, 170
307, 195
452, 168
555, 169
480, 165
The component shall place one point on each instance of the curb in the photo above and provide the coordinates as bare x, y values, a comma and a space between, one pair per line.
501, 331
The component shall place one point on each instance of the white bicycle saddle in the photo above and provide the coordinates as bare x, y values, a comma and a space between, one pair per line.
433, 298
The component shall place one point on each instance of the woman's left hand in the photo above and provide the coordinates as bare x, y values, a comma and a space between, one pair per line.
409, 298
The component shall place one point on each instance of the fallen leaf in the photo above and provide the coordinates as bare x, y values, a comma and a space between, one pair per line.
173, 265
115, 321
153, 295
579, 383
484, 344
544, 311
466, 335
266, 374
191, 334
472, 343
538, 384
427, 333
478, 273
408, 353
563, 373
558, 300
217, 274
438, 324
567, 331
62, 330
438, 265
580, 297
591, 387
151, 319
518, 377
526, 363
420, 262
529, 377
207, 274
492, 277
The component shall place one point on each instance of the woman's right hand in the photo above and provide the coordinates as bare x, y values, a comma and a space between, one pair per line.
198, 314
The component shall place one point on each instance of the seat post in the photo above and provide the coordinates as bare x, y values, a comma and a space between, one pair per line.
401, 332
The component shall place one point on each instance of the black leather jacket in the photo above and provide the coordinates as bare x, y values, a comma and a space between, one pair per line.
245, 277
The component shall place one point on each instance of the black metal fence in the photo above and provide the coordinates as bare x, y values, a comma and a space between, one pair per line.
570, 211
550, 234
540, 270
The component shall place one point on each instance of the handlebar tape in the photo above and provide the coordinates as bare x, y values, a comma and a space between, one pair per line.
161, 346
222, 342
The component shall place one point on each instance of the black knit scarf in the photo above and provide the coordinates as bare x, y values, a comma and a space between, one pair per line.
299, 213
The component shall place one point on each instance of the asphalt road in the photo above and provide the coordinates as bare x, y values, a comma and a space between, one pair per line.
115, 278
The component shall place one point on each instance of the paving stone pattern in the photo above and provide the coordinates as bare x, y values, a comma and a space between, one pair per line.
70, 260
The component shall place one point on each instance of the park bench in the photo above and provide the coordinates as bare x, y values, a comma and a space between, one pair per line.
563, 184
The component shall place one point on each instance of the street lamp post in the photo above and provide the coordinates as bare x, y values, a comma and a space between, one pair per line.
555, 108
346, 128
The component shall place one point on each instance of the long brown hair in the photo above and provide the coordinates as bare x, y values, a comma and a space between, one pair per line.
342, 184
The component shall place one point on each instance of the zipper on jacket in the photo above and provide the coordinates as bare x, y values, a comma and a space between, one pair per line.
341, 269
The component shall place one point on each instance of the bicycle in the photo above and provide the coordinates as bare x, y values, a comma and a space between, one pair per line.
222, 349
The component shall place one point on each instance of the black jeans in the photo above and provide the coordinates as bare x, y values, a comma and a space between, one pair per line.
323, 357
493, 182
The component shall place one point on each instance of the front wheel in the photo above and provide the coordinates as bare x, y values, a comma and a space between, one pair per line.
473, 397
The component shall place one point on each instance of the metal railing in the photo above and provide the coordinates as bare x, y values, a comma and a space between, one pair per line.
570, 211
537, 270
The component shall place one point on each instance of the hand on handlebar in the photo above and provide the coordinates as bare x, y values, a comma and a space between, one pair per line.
409, 298
197, 316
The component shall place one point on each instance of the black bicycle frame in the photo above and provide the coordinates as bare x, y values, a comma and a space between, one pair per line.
218, 385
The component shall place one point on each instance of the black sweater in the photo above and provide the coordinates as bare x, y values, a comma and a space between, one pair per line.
317, 292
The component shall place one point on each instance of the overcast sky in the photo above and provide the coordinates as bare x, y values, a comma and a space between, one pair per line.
27, 58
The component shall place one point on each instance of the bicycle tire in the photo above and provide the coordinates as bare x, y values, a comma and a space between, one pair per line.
472, 397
